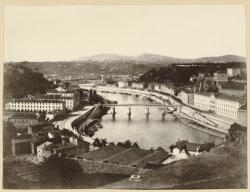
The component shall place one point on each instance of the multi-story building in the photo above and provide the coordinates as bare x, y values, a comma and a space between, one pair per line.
36, 105
23, 119
220, 104
139, 85
123, 84
186, 97
205, 101
227, 106
232, 72
71, 98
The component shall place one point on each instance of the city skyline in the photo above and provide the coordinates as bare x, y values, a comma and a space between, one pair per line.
57, 33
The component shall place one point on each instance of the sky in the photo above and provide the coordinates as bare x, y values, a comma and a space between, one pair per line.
57, 33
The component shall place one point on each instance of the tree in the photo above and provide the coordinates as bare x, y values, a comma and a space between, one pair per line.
127, 144
136, 145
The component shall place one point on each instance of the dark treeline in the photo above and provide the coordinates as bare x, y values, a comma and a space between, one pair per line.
180, 73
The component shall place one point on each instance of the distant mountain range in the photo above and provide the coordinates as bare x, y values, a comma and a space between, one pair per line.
120, 64
157, 59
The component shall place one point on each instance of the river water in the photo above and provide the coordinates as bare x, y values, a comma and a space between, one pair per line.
147, 133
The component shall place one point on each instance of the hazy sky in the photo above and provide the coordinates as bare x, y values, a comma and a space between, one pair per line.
68, 32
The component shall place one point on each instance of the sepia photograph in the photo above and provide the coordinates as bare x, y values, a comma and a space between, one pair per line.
124, 97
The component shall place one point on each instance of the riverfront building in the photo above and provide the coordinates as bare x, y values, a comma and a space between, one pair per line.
187, 97
164, 89
217, 103
139, 85
123, 84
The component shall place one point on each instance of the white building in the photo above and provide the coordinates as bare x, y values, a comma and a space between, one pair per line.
71, 98
164, 89
157, 87
34, 105
186, 97
167, 89
44, 151
232, 72
205, 101
227, 106
139, 85
123, 84
223, 105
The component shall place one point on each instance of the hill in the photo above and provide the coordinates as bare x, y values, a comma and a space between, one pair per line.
20, 81
119, 64
180, 74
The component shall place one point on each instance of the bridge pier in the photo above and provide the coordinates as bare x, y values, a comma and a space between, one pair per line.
113, 113
163, 114
129, 113
147, 113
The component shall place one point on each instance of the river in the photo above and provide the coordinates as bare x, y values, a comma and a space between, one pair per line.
147, 133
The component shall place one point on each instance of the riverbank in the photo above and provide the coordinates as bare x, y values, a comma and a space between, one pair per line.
205, 120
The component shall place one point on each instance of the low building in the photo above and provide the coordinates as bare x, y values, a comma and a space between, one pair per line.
135, 85
157, 87
22, 144
23, 119
44, 151
232, 72
123, 84
184, 149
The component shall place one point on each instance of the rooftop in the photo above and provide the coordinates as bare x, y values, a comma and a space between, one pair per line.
23, 115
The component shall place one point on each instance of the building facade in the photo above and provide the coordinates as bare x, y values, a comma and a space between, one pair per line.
232, 72
227, 107
123, 84
139, 85
219, 104
205, 101
34, 105
186, 97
